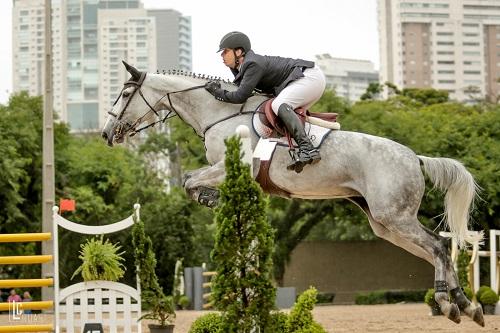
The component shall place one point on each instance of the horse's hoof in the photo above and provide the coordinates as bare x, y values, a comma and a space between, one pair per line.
454, 313
478, 316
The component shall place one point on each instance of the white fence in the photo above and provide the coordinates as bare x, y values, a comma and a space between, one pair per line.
115, 305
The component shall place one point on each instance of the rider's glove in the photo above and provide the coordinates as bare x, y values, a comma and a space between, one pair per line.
214, 88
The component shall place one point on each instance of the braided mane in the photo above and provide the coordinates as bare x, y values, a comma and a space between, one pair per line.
194, 75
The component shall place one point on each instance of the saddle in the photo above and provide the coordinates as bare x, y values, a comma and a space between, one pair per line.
271, 120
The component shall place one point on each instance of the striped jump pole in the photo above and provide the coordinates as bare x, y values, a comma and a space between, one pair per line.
23, 322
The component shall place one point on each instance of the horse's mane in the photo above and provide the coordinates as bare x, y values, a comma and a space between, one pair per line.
204, 77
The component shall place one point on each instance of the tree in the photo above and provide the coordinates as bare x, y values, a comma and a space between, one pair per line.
372, 92
242, 288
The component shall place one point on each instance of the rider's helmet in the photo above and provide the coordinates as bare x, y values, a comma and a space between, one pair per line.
234, 40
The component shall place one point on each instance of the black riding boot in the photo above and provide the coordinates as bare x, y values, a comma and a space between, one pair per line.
307, 153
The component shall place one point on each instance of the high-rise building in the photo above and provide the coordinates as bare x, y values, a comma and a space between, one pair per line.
130, 37
451, 45
349, 77
90, 38
173, 39
28, 45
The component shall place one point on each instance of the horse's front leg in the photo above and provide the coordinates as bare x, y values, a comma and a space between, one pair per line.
201, 185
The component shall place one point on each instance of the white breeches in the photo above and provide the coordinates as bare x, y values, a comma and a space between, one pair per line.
302, 92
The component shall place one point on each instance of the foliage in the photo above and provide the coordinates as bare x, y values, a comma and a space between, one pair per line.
300, 318
488, 297
277, 322
145, 261
390, 297
242, 288
207, 323
427, 96
480, 291
100, 261
162, 309
463, 268
468, 293
372, 92
429, 298
485, 295
331, 102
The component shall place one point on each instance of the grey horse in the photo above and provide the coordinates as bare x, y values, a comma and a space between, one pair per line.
384, 178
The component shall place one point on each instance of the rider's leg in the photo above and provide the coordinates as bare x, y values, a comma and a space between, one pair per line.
302, 92
307, 153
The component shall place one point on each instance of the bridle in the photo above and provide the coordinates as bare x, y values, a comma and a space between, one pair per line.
171, 110
161, 119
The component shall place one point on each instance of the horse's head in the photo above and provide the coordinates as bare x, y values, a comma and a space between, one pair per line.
134, 106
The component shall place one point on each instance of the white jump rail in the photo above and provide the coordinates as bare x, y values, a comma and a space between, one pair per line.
494, 264
115, 305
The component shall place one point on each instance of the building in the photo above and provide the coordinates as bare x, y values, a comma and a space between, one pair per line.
452, 45
348, 77
28, 45
173, 39
123, 35
90, 38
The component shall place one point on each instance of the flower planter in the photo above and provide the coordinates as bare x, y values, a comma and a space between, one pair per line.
154, 328
489, 309
436, 310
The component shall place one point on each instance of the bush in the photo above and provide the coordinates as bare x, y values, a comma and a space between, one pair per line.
325, 298
209, 323
468, 293
100, 260
489, 297
300, 318
277, 322
429, 298
374, 297
390, 297
480, 291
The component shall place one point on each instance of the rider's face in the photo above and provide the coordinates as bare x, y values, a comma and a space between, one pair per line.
228, 57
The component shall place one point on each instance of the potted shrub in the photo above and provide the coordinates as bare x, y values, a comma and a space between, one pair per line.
163, 312
100, 260
431, 302
489, 300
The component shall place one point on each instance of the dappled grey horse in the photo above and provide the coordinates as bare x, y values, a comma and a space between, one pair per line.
382, 177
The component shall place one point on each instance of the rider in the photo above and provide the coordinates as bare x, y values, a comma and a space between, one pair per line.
293, 82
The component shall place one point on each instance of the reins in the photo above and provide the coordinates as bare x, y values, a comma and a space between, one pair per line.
169, 115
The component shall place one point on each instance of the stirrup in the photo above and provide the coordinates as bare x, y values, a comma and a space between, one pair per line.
302, 158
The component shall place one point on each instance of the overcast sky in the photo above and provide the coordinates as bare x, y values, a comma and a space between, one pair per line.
293, 28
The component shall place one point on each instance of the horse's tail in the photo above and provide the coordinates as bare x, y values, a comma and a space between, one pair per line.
452, 177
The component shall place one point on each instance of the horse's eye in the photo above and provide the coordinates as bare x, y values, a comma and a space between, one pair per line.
126, 94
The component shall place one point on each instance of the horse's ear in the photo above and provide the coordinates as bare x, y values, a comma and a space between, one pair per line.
136, 74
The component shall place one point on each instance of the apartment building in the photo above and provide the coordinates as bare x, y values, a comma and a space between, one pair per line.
452, 45
173, 39
349, 77
90, 38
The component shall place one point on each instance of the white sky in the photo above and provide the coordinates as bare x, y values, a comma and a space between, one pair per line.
293, 28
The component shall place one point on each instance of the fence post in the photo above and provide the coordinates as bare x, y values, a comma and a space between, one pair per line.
198, 288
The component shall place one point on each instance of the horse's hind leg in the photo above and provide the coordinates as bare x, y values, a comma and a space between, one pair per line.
457, 295
431, 248
412, 232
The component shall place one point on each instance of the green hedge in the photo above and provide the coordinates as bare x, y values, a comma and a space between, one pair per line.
390, 297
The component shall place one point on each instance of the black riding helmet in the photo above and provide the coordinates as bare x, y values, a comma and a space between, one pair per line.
234, 40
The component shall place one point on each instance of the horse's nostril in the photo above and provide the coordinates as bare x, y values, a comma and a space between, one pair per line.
104, 135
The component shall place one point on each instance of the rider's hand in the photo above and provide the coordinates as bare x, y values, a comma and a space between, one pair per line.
212, 87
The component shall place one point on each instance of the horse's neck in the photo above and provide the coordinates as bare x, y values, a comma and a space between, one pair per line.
197, 108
